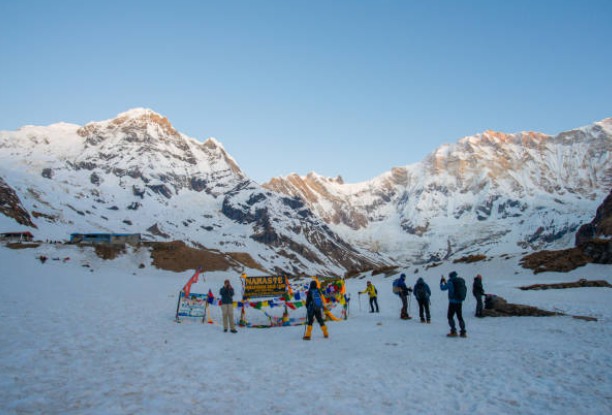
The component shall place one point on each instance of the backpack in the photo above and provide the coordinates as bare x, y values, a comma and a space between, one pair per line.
420, 292
459, 288
316, 298
396, 288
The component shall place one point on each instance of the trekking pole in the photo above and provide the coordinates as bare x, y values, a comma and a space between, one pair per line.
305, 323
359, 295
409, 302
348, 307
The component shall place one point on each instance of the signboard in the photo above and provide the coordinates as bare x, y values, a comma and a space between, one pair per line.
264, 286
192, 306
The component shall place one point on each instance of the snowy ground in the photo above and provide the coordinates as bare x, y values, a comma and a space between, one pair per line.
102, 340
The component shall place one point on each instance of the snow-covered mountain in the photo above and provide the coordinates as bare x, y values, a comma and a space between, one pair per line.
491, 192
136, 173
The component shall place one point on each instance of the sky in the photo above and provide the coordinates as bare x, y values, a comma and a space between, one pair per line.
349, 88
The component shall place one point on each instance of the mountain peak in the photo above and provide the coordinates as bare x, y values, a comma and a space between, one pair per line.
134, 122
142, 117
137, 113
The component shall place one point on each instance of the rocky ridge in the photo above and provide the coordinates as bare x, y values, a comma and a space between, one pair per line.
136, 173
488, 193
516, 191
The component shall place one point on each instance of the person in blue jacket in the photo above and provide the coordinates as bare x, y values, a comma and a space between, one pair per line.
401, 289
454, 304
314, 309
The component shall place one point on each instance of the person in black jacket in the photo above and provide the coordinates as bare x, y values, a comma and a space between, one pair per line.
422, 292
478, 291
227, 306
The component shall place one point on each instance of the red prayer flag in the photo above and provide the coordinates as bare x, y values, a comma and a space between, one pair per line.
193, 279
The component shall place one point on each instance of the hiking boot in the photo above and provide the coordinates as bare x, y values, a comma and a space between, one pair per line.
307, 333
422, 320
428, 321
234, 331
452, 334
224, 330
463, 334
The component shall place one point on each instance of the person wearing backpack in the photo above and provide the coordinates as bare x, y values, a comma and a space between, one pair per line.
456, 294
373, 294
422, 293
400, 288
314, 309
478, 291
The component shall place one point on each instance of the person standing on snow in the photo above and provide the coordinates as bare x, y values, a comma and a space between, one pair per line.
422, 292
401, 289
314, 308
227, 306
478, 291
373, 294
456, 295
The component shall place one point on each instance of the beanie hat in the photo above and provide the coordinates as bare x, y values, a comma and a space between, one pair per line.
403, 276
453, 274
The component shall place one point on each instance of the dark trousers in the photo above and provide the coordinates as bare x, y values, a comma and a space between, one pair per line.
373, 302
404, 312
315, 312
455, 309
478, 305
424, 310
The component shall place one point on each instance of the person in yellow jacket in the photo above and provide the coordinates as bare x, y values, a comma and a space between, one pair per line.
373, 294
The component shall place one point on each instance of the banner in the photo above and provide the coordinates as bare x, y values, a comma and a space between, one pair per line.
255, 287
192, 306
286, 308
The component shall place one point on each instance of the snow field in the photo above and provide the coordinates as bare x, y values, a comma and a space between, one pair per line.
101, 340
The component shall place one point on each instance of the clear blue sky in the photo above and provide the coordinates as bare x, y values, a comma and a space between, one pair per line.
349, 88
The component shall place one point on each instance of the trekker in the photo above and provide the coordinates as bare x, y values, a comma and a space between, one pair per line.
314, 308
373, 294
400, 288
456, 295
422, 293
227, 306
479, 292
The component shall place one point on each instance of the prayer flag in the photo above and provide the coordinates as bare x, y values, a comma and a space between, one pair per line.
192, 280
